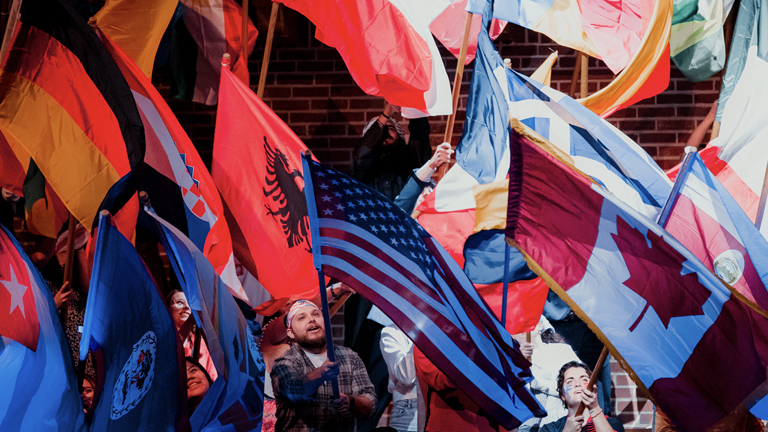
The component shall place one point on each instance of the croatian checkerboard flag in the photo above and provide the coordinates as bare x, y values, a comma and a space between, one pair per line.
367, 242
235, 401
177, 181
680, 333
38, 388
595, 146
708, 221
140, 385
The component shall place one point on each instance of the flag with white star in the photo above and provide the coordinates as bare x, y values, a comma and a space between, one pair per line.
364, 240
39, 388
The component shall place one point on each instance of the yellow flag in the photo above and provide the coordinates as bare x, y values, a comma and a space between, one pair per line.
136, 26
544, 73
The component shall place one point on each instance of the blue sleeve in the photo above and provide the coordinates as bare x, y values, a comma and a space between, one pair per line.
410, 193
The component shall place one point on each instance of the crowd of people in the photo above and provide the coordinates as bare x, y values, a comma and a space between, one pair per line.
382, 381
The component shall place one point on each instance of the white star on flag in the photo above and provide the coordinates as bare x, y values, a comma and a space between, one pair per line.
17, 292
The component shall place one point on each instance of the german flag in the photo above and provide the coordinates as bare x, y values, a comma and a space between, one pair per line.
65, 103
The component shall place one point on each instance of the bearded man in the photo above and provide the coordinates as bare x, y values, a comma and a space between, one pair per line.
301, 378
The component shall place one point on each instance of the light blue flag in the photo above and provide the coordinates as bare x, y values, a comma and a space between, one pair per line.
38, 388
134, 341
597, 148
235, 400
484, 154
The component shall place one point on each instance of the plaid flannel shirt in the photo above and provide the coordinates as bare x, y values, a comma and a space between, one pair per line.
297, 411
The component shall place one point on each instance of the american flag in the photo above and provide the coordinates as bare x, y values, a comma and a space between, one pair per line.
375, 247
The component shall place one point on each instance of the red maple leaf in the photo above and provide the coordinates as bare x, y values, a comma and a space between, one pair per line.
655, 275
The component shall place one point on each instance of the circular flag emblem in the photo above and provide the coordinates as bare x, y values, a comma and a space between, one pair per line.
729, 266
135, 379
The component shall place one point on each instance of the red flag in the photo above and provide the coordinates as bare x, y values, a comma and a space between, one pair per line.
257, 168
406, 70
18, 314
525, 302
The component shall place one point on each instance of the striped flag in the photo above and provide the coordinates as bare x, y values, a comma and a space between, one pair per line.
364, 240
64, 102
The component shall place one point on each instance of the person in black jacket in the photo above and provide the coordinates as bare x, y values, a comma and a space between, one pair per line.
383, 159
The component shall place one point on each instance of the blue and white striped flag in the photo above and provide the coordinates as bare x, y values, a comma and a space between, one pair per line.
595, 146
367, 242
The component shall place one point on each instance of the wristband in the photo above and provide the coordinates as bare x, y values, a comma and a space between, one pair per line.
595, 413
333, 294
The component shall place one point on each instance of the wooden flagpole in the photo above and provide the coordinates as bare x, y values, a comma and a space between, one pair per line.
70, 249
244, 43
267, 50
593, 379
457, 83
728, 27
584, 75
763, 199
575, 76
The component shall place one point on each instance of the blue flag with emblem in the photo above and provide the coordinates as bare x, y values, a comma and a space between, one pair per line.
127, 326
235, 400
39, 388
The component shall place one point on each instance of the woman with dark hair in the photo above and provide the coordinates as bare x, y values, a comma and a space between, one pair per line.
180, 312
572, 382
198, 383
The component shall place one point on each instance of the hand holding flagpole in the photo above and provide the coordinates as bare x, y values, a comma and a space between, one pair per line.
457, 83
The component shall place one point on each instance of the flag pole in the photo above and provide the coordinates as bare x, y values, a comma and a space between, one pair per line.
70, 252
584, 75
244, 42
505, 291
685, 168
575, 76
763, 199
339, 303
267, 50
593, 379
309, 194
457, 83
728, 27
